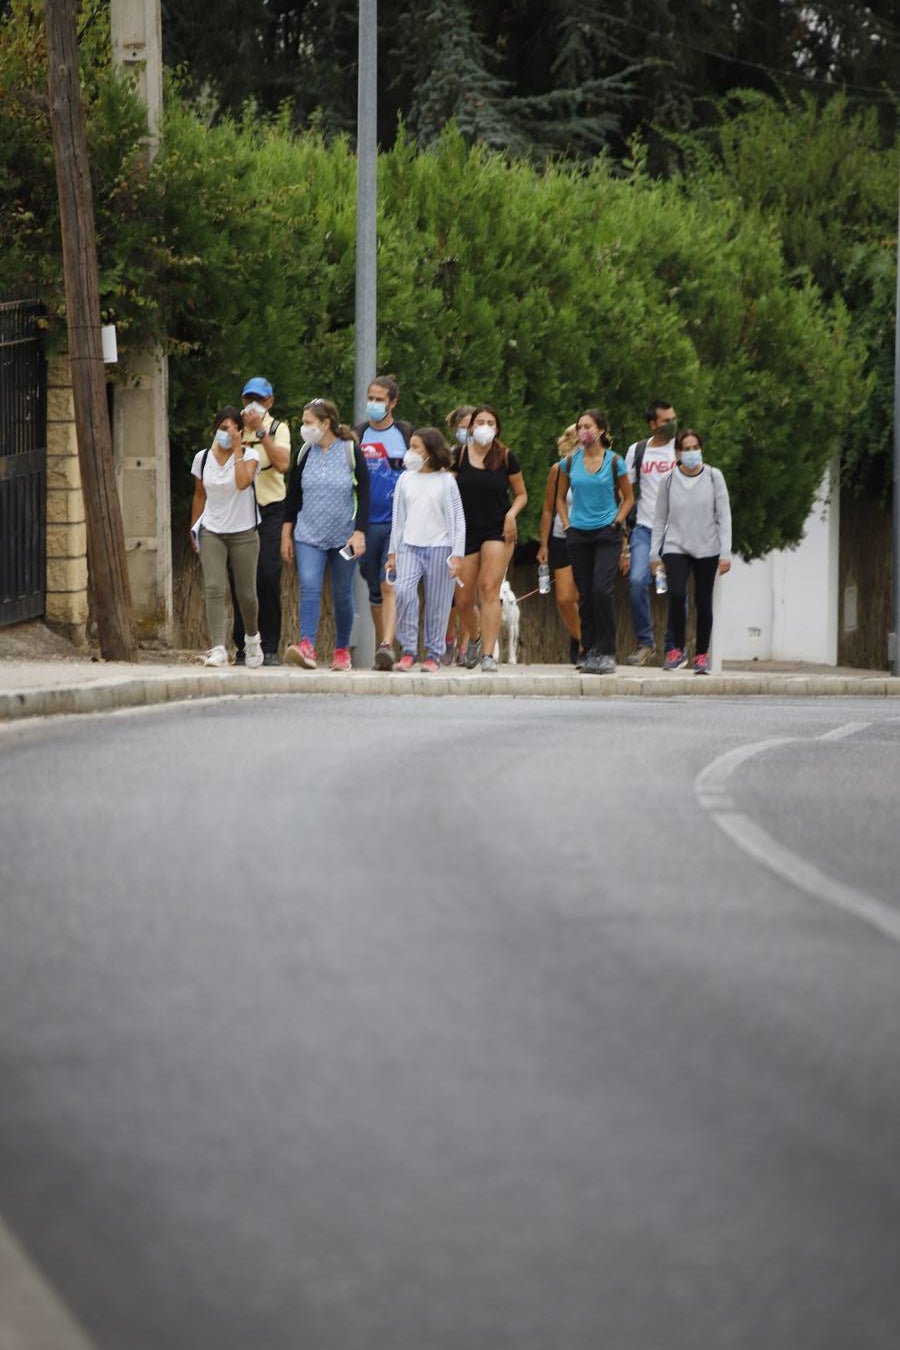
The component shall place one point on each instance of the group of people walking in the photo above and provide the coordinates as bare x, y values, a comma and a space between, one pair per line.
413, 510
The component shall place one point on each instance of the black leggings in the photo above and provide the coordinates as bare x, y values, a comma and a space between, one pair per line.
594, 555
679, 567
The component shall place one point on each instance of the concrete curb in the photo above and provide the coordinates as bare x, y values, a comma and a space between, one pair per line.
109, 692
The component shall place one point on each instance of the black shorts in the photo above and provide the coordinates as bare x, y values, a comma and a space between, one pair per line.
474, 541
557, 553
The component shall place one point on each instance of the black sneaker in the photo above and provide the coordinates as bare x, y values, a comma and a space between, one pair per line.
593, 664
240, 659
271, 659
473, 652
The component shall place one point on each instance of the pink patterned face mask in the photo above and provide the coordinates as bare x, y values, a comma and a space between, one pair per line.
586, 436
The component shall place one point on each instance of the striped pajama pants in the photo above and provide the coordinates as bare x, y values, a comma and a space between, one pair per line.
414, 562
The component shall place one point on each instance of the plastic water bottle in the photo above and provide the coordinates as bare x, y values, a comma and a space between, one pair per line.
544, 579
662, 584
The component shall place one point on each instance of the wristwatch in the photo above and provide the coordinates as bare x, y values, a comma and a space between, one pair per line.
261, 434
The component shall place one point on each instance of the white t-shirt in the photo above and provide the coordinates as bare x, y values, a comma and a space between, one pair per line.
426, 519
658, 461
228, 509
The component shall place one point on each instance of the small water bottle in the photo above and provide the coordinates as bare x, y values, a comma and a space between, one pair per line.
662, 584
544, 579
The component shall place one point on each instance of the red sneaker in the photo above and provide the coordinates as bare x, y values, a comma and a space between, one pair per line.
429, 666
405, 663
341, 659
301, 654
676, 659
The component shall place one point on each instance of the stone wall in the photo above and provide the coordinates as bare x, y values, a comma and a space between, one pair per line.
67, 570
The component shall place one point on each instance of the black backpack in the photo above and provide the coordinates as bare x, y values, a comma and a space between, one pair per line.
631, 518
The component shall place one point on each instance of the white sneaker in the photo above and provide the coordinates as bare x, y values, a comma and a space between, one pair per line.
253, 652
217, 657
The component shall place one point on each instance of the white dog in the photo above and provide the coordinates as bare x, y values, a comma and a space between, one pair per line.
509, 623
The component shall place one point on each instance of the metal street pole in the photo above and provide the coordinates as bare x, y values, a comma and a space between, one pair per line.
366, 242
894, 639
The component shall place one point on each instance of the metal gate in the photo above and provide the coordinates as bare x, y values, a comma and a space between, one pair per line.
23, 462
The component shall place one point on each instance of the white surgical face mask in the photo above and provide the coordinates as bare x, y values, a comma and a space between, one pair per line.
484, 435
413, 461
311, 433
254, 408
692, 459
224, 438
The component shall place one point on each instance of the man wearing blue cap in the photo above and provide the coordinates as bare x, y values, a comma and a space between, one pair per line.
273, 441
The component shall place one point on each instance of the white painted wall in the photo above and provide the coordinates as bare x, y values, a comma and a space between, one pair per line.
784, 607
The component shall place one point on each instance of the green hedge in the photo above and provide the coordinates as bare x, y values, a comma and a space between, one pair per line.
541, 292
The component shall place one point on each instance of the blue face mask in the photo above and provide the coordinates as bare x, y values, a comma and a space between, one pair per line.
462, 435
224, 439
692, 459
375, 410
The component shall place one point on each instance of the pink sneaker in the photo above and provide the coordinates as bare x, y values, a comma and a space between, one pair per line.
429, 666
405, 663
676, 659
301, 654
701, 663
341, 659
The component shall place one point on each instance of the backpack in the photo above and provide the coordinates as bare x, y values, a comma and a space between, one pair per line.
631, 518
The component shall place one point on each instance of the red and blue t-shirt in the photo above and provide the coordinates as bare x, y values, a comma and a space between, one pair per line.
384, 451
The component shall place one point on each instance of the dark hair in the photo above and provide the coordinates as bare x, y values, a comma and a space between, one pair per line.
327, 411
388, 382
456, 415
439, 454
606, 439
231, 412
496, 456
655, 407
688, 431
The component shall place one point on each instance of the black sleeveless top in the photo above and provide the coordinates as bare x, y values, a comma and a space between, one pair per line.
485, 496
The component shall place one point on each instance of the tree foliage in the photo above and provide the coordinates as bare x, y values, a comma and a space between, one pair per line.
572, 77
819, 176
540, 289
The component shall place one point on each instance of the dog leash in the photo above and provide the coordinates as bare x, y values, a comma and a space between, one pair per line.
536, 591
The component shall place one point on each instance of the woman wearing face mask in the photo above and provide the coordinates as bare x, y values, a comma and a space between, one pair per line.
554, 550
457, 421
486, 472
428, 533
691, 534
601, 499
326, 510
223, 520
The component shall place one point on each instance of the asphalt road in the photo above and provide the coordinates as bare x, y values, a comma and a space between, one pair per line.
360, 1024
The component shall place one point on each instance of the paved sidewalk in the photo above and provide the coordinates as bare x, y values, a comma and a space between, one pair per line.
41, 687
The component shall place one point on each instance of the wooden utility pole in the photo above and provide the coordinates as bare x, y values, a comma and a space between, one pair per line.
102, 510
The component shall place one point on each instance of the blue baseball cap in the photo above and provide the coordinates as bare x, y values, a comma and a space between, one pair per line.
258, 386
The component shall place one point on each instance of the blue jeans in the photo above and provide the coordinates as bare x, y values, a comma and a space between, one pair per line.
639, 586
311, 563
639, 582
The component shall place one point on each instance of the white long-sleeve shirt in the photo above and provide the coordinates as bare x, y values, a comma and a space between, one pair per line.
428, 512
693, 515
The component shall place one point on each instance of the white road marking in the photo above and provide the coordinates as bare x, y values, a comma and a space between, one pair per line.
839, 733
711, 787
32, 1317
